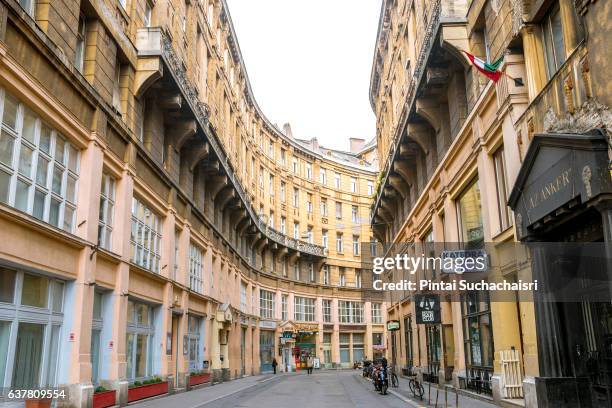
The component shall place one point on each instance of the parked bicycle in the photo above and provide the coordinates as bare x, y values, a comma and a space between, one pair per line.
393, 379
415, 386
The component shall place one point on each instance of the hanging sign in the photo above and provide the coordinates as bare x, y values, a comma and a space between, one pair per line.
427, 309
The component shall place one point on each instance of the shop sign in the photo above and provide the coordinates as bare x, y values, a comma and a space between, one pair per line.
427, 309
305, 327
378, 347
393, 325
287, 335
267, 324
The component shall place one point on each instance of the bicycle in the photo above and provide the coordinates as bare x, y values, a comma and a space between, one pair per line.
416, 387
393, 377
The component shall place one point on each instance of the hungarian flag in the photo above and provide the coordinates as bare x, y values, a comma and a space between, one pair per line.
488, 69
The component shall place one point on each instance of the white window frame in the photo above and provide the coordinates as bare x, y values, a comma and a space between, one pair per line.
304, 309
145, 257
106, 217
327, 306
350, 312
266, 304
376, 313
196, 267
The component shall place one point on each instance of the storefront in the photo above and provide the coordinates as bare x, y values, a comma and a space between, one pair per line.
266, 349
563, 195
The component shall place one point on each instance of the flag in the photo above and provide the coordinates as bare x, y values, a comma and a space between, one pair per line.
488, 69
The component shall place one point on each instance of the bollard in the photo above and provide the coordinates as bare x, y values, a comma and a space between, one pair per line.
429, 394
456, 399
437, 392
445, 397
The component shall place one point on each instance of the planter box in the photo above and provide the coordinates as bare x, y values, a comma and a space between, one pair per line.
38, 403
104, 399
147, 391
199, 379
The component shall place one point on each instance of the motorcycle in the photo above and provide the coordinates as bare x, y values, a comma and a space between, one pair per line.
380, 379
367, 368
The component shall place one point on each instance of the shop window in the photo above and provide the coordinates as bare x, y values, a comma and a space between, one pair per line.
139, 341
38, 168
478, 338
358, 347
345, 345
145, 238
107, 208
469, 211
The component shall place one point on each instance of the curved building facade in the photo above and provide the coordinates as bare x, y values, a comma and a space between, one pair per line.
155, 224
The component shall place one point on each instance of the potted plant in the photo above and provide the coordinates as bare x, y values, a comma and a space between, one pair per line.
198, 377
103, 398
147, 389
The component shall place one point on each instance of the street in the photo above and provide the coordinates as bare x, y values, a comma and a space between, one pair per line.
322, 389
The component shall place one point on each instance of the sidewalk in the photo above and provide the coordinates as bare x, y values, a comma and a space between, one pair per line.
464, 401
206, 394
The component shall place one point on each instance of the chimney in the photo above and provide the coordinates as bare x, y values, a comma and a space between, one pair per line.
287, 130
356, 144
314, 144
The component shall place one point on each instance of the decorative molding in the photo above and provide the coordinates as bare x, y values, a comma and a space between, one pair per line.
591, 115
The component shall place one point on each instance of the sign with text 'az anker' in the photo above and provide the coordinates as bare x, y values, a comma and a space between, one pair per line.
427, 309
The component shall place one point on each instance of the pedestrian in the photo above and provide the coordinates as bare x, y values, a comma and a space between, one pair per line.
274, 364
309, 363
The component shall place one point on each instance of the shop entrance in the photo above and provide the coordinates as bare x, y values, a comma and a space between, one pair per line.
304, 347
266, 350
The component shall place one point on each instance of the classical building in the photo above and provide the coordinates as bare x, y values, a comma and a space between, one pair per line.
154, 224
459, 152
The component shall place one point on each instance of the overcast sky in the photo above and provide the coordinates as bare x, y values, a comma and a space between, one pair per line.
309, 64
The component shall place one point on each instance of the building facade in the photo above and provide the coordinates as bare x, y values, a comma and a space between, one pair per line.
460, 152
154, 223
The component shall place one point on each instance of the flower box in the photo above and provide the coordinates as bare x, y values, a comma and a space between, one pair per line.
197, 379
38, 403
147, 391
104, 399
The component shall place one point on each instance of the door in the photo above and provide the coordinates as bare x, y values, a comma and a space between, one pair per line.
243, 351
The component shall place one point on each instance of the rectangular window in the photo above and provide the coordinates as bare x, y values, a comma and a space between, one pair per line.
261, 176
370, 188
358, 279
117, 86
554, 43
266, 304
145, 238
324, 207
39, 169
296, 270
345, 344
295, 165
337, 181
355, 245
271, 149
310, 235
309, 203
376, 313
148, 14
28, 6
271, 219
325, 274
107, 207
195, 268
350, 312
322, 176
324, 239
309, 171
339, 243
311, 272
296, 197
355, 214
271, 185
327, 318
284, 301
505, 220
79, 58
282, 192
353, 185
338, 210
283, 225
283, 157
341, 276
304, 309
243, 296
296, 230
469, 211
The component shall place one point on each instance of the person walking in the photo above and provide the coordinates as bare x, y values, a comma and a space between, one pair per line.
309, 363
274, 364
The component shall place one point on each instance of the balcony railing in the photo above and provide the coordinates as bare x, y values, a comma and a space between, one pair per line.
153, 41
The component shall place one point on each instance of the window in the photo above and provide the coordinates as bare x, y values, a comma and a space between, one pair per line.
295, 165
139, 340
148, 14
28, 6
271, 219
339, 210
353, 185
282, 191
283, 157
327, 318
266, 304
123, 4
477, 329
34, 342
337, 181
339, 244
324, 207
355, 245
358, 279
345, 348
284, 301
370, 188
310, 235
505, 220
296, 271
117, 86
311, 272
195, 268
323, 176
271, 149
194, 343
296, 230
554, 43
261, 175
376, 314
358, 346
284, 266
177, 240
145, 237
304, 309
324, 239
309, 203
469, 211
355, 214
408, 340
79, 58
283, 225
38, 168
350, 312
341, 276
309, 171
325, 274
243, 296
107, 206
96, 335
271, 185
296, 197
430, 250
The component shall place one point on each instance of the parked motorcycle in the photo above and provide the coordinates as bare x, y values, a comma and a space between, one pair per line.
380, 379
367, 368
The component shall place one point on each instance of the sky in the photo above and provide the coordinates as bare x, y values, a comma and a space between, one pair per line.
309, 64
